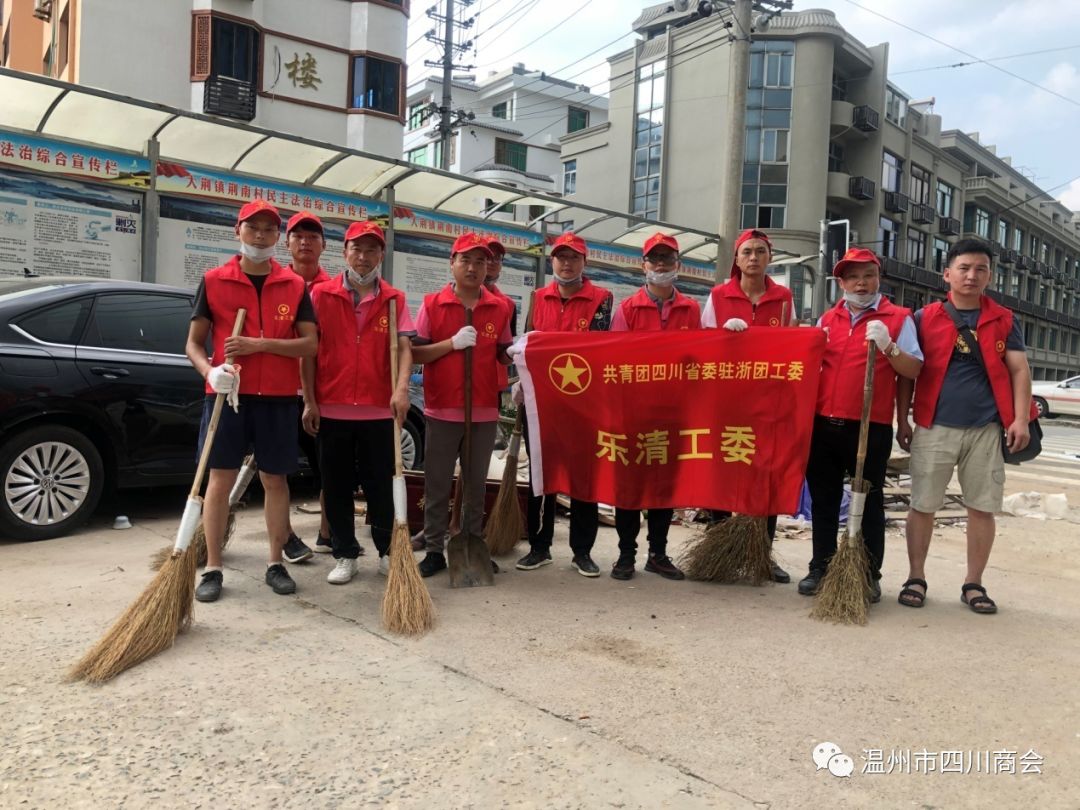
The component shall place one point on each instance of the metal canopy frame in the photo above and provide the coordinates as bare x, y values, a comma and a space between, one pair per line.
110, 120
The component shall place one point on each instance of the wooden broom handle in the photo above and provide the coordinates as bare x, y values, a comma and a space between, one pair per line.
398, 465
215, 417
864, 420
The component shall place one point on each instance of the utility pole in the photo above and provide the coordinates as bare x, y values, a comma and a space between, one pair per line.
449, 119
735, 142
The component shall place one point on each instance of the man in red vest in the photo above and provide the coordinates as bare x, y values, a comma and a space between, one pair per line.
349, 403
975, 386
571, 303
863, 315
261, 385
498, 253
750, 298
441, 337
657, 306
306, 242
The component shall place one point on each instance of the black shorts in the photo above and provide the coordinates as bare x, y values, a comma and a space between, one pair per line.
267, 425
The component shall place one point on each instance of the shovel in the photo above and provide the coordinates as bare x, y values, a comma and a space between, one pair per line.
467, 555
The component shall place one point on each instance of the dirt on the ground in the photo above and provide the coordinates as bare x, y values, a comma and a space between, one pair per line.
548, 690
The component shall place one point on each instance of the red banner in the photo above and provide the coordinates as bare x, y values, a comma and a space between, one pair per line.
711, 419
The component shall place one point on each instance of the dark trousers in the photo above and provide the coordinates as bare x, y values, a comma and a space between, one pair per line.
770, 524
833, 447
584, 517
628, 524
351, 450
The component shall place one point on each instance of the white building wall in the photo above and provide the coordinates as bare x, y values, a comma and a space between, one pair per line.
116, 55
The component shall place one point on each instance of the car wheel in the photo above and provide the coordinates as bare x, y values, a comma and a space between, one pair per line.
53, 478
1044, 409
412, 446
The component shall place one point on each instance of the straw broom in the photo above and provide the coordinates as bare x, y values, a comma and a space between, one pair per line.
844, 594
505, 524
198, 543
734, 550
164, 608
407, 608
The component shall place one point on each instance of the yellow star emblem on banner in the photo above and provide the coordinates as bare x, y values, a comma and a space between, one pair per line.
570, 373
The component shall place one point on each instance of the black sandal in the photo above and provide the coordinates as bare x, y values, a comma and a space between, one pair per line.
911, 592
979, 604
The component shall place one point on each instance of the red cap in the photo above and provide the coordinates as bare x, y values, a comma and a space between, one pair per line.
471, 241
746, 236
855, 255
257, 207
303, 216
658, 239
365, 228
496, 248
571, 240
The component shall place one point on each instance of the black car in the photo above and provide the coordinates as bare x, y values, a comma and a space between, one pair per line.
97, 395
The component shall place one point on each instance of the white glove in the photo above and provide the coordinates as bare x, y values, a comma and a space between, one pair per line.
222, 378
516, 348
879, 333
233, 397
465, 337
735, 325
517, 393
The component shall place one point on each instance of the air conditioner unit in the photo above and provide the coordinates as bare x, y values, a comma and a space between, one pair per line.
550, 140
43, 9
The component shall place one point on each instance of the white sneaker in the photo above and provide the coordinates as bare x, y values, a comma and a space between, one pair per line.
384, 565
344, 571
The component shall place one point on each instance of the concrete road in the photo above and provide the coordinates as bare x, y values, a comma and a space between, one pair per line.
548, 690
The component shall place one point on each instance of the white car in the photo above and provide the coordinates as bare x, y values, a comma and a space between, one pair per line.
1053, 398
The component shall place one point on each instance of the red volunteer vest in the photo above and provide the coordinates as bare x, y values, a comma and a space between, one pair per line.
774, 308
937, 337
840, 387
511, 311
552, 314
642, 315
271, 315
352, 367
320, 276
444, 379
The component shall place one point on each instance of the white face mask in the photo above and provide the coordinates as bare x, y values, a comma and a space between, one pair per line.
363, 280
256, 254
860, 300
569, 282
661, 279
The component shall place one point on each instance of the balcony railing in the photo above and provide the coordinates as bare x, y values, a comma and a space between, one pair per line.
1008, 256
896, 202
948, 226
865, 118
922, 214
229, 97
862, 188
1022, 262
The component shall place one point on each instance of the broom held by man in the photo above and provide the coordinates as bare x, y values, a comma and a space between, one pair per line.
262, 381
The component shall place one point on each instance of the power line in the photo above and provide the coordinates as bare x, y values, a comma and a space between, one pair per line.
531, 42
987, 60
978, 60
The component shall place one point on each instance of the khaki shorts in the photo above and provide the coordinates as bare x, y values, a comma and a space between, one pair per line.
975, 453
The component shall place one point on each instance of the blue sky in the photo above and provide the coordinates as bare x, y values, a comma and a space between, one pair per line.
1035, 128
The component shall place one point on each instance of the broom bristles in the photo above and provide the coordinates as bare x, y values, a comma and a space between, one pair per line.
407, 608
505, 525
198, 543
844, 594
734, 550
148, 626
